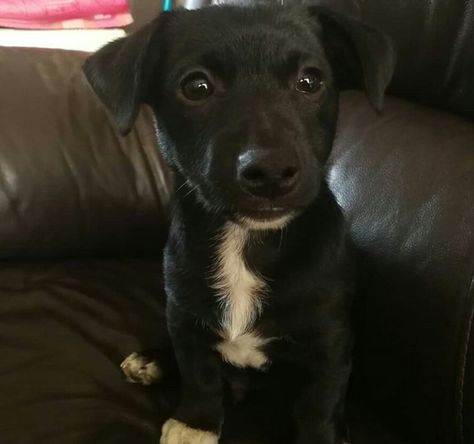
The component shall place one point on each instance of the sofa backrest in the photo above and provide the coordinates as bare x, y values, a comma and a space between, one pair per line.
69, 184
405, 180
435, 45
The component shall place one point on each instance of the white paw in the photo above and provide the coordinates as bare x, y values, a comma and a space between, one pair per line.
175, 432
140, 369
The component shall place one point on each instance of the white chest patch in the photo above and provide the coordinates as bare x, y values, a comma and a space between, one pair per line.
244, 351
240, 293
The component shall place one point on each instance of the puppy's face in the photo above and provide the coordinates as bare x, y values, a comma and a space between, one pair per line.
246, 104
245, 100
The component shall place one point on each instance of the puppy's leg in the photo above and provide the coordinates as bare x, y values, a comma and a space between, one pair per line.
319, 410
199, 416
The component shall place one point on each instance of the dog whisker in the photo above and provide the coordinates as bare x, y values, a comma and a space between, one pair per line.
182, 186
191, 191
281, 238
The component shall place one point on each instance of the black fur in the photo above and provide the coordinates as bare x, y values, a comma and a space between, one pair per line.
253, 56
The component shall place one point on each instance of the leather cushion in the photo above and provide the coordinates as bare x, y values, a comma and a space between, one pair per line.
70, 185
405, 180
435, 45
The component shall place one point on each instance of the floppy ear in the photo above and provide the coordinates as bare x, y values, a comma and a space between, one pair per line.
120, 72
358, 53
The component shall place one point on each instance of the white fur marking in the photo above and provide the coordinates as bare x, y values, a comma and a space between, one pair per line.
176, 432
140, 370
244, 351
271, 224
239, 290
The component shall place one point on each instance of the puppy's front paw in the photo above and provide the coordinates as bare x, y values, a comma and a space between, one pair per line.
175, 432
140, 369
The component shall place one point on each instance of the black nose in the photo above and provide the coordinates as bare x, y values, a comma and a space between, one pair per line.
267, 173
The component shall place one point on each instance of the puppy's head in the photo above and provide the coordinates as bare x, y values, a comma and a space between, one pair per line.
245, 98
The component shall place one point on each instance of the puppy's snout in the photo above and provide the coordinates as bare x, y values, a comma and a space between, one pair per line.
267, 173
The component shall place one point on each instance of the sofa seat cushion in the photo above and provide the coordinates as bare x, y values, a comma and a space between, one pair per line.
65, 327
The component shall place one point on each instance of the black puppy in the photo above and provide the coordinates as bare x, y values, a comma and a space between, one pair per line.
257, 268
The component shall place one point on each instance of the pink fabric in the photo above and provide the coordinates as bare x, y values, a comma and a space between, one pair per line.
53, 14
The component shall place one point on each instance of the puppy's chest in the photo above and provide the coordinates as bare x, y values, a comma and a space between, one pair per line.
240, 292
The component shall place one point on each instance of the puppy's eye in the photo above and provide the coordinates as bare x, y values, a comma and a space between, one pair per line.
197, 87
310, 81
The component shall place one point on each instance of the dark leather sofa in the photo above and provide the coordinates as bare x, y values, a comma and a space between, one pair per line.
84, 217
